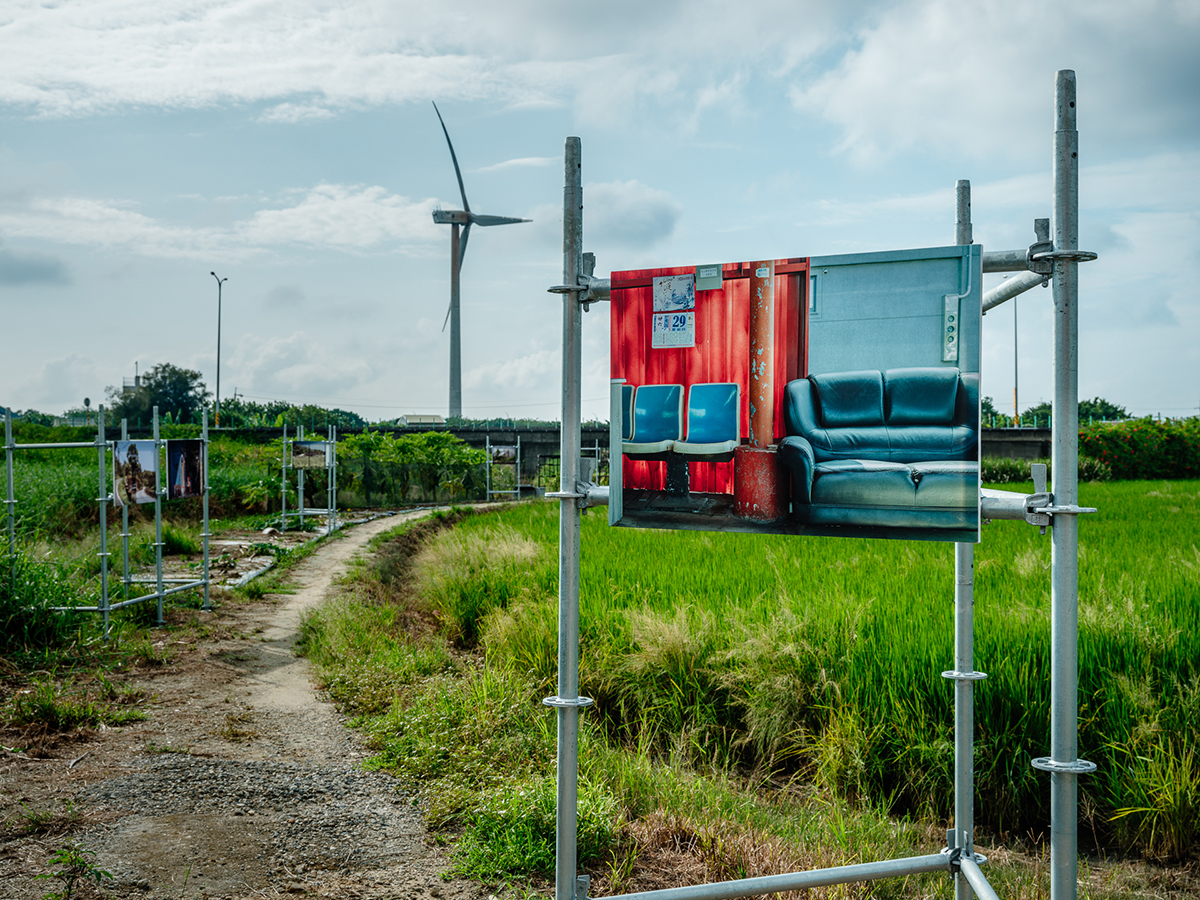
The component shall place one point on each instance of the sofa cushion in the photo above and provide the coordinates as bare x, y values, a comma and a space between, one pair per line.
863, 482
947, 483
920, 396
849, 399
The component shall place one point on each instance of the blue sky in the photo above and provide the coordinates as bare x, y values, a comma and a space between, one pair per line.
292, 147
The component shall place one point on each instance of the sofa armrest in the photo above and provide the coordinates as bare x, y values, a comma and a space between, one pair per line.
796, 453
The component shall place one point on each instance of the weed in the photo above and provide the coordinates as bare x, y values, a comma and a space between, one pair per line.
511, 831
75, 864
239, 726
43, 821
44, 706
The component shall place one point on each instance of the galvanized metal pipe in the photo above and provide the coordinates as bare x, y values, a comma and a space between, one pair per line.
798, 881
74, 445
158, 542
974, 876
996, 504
300, 480
1010, 288
1064, 559
10, 503
102, 501
568, 531
125, 574
283, 480
1005, 261
964, 640
204, 503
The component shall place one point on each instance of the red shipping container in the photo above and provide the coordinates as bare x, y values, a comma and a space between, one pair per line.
721, 352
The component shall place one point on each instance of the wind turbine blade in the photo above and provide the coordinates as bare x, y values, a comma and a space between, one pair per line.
462, 190
462, 246
496, 220
445, 320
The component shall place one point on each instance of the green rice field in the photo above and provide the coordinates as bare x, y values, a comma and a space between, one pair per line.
819, 660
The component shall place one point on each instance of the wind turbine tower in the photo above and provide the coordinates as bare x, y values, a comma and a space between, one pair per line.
459, 219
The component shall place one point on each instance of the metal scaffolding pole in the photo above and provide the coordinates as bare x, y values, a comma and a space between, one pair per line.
964, 674
567, 701
102, 502
204, 503
125, 573
10, 502
1063, 763
158, 541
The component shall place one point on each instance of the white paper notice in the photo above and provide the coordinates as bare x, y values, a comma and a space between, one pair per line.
677, 329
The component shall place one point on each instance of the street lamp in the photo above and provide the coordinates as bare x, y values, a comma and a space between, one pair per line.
220, 281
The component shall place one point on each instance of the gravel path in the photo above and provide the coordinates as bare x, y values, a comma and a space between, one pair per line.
242, 783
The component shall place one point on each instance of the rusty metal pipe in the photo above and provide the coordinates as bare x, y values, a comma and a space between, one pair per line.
762, 354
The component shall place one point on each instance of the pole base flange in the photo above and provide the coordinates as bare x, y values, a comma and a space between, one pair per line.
563, 703
1078, 767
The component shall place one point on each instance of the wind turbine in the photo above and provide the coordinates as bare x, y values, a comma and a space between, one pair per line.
457, 218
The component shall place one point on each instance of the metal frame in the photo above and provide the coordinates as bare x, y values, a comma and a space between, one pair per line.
1058, 259
103, 499
515, 493
330, 511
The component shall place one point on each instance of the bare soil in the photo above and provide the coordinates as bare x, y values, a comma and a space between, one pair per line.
242, 782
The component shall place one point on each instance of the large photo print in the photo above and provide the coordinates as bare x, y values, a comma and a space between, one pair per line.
833, 395
184, 469
135, 472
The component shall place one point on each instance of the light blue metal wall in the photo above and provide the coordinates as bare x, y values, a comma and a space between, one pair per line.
885, 310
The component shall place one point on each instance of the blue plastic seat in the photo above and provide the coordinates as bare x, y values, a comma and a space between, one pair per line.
713, 421
657, 419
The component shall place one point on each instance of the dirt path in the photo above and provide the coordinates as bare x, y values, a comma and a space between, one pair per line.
242, 782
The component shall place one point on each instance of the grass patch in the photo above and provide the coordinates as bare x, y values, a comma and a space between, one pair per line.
766, 704
275, 581
43, 820
45, 706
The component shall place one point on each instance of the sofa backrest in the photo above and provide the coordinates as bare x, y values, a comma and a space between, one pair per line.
900, 415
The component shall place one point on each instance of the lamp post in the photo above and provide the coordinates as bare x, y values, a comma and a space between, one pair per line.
220, 281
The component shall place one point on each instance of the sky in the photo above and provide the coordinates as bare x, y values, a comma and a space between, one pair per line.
291, 147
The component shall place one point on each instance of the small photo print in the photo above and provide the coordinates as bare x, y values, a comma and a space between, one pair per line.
674, 293
504, 453
184, 469
135, 472
309, 454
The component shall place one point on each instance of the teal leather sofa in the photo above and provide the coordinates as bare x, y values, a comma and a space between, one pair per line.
894, 448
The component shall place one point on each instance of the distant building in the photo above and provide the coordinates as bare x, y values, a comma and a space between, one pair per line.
422, 420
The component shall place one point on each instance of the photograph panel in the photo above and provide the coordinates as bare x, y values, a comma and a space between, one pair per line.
135, 472
185, 476
834, 396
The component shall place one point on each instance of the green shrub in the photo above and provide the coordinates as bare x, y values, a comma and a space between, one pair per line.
1013, 471
1145, 448
511, 831
29, 590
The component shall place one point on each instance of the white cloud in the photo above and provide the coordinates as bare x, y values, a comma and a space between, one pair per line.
963, 78
343, 217
291, 113
295, 366
523, 373
309, 58
525, 162
628, 214
62, 382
